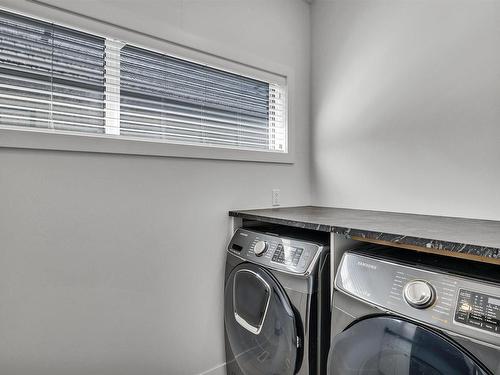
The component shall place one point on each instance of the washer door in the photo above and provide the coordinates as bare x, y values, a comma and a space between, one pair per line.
387, 345
260, 323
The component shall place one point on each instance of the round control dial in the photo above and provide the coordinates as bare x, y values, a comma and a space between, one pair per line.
419, 294
260, 248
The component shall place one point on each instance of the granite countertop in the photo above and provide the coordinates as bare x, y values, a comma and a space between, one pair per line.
478, 238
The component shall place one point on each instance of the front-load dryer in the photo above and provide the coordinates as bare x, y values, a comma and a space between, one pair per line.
399, 312
276, 303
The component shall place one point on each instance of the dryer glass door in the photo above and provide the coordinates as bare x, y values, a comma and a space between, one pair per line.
387, 345
260, 323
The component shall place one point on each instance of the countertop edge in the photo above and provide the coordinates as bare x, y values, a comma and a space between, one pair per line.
424, 243
291, 223
458, 249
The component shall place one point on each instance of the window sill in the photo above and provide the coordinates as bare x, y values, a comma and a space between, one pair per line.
43, 140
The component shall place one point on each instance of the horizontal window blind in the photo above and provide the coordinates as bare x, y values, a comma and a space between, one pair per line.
166, 97
51, 77
60, 79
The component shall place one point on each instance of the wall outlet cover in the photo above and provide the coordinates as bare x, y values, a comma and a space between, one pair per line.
276, 197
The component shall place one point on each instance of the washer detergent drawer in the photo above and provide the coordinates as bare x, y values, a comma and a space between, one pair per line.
260, 323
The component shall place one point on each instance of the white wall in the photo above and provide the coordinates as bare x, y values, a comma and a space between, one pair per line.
113, 264
406, 105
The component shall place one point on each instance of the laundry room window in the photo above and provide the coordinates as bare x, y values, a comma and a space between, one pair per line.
61, 81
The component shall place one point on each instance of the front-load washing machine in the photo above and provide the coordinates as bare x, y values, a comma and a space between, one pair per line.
398, 312
277, 301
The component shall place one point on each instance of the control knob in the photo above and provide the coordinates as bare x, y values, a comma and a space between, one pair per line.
260, 248
419, 294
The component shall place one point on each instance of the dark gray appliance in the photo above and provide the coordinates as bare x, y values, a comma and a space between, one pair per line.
276, 303
408, 313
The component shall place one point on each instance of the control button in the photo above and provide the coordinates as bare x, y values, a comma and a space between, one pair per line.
490, 327
475, 323
279, 255
260, 248
465, 307
476, 316
491, 321
461, 317
419, 294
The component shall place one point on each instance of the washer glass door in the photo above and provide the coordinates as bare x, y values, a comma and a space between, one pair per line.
260, 323
387, 345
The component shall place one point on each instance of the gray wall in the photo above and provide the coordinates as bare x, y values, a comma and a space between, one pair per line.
113, 264
406, 105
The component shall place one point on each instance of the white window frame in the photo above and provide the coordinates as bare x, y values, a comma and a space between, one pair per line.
210, 55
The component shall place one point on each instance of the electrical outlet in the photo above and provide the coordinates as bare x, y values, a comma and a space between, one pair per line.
276, 197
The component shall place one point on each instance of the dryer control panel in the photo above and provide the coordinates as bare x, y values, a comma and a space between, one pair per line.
276, 252
466, 306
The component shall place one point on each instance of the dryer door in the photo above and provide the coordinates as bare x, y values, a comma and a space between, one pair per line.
260, 323
387, 345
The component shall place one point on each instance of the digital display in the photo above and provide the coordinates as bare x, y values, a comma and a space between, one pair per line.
494, 301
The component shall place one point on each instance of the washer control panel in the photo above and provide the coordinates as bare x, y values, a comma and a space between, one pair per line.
478, 310
433, 297
273, 251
